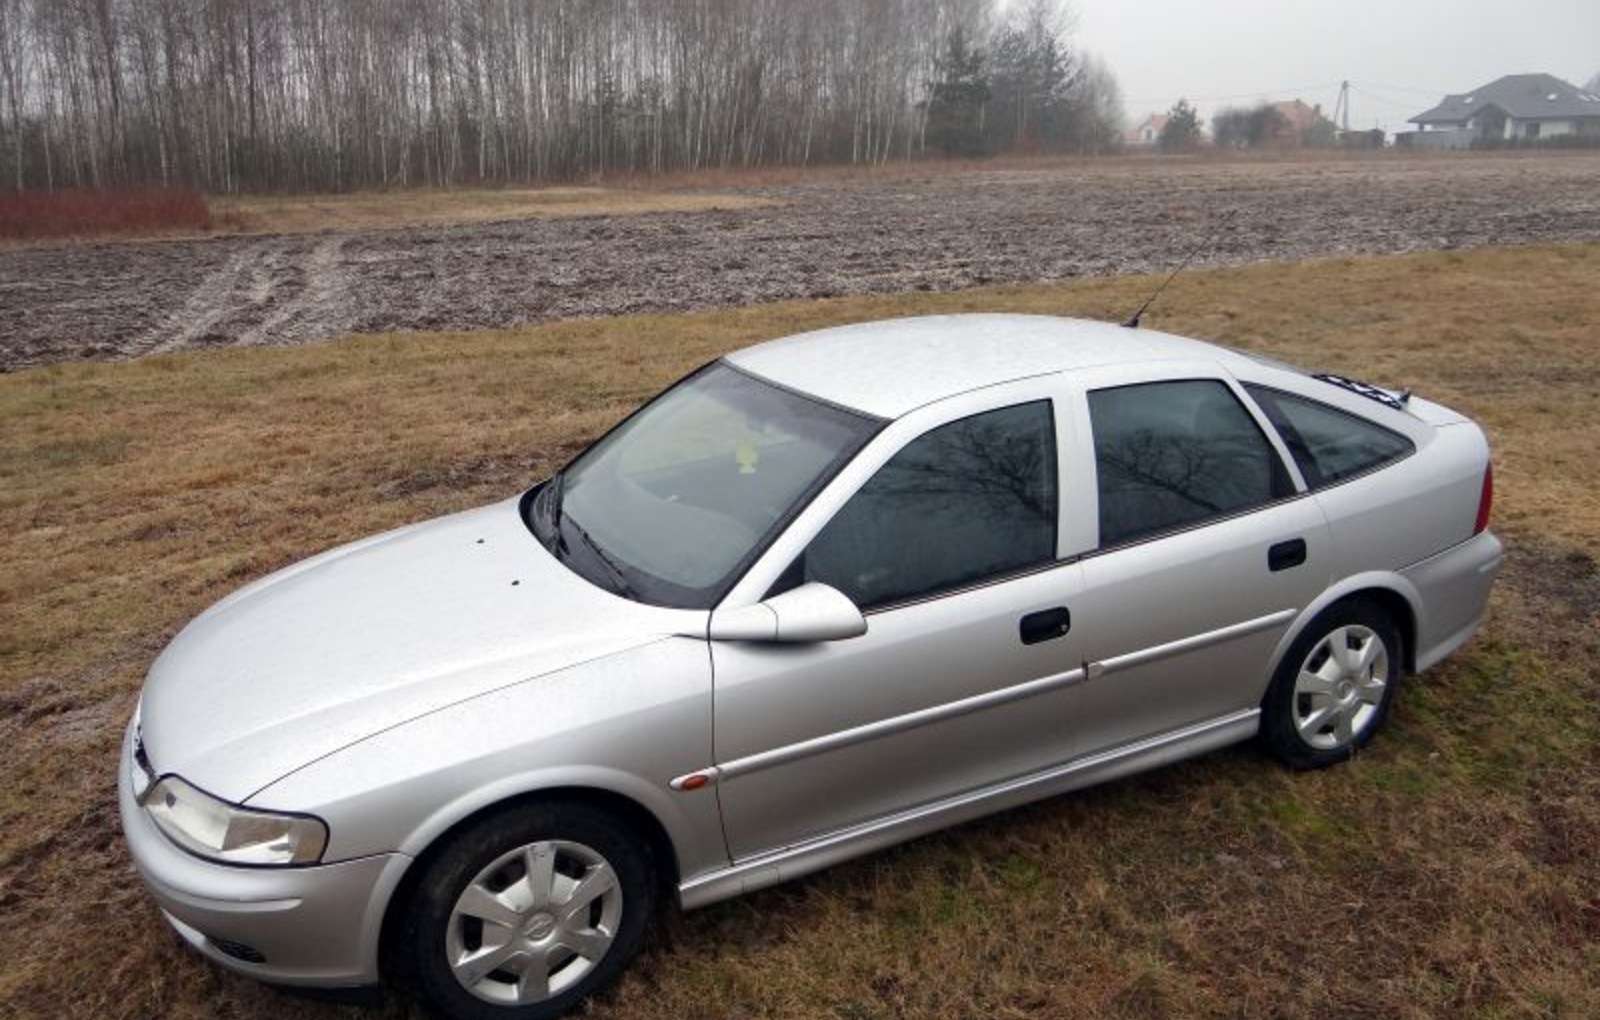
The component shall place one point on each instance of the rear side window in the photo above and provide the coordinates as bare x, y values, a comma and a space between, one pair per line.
1330, 445
962, 503
1172, 454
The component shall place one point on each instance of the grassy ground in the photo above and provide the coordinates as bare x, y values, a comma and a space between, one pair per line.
1450, 871
369, 210
133, 216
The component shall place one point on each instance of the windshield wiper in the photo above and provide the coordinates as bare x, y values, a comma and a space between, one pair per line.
546, 510
622, 586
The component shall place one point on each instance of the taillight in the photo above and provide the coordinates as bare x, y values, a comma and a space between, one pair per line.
1485, 501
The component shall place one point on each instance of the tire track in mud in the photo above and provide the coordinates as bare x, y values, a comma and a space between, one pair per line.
829, 237
318, 305
205, 307
269, 292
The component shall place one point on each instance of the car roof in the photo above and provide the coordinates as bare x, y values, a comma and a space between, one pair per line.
891, 367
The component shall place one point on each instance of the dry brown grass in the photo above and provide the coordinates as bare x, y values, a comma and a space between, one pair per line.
739, 178
1451, 871
373, 210
411, 207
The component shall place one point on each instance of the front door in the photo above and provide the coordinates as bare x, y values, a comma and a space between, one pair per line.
963, 678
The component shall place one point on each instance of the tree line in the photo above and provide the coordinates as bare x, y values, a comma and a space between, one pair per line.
238, 95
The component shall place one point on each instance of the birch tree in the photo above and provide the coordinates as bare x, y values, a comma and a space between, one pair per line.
230, 95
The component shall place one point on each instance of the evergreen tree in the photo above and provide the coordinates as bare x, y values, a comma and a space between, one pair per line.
1182, 130
958, 99
1034, 81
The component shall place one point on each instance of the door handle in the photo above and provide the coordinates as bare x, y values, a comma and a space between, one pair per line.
1286, 554
1045, 625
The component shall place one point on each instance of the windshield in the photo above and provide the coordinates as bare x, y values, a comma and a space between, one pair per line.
675, 502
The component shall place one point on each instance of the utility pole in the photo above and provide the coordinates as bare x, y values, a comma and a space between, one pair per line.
1341, 109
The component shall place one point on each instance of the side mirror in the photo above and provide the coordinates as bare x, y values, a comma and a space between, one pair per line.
811, 612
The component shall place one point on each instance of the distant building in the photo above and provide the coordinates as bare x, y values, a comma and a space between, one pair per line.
1147, 131
1518, 107
1274, 126
1300, 125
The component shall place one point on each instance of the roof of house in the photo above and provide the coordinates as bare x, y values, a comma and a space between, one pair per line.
1155, 122
1521, 96
891, 367
1298, 115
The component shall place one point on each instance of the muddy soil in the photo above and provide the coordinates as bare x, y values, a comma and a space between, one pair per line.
830, 237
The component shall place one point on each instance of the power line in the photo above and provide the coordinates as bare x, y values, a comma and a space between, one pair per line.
1244, 95
1258, 93
1383, 99
1404, 88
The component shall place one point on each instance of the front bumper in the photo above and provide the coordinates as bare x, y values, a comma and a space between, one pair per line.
315, 926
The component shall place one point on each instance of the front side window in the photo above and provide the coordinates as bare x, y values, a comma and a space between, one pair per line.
1172, 454
963, 503
1328, 444
672, 505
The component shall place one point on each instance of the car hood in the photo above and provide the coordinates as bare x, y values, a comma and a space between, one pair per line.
360, 639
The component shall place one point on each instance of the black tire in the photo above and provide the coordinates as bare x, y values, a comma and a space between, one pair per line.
1305, 728
576, 839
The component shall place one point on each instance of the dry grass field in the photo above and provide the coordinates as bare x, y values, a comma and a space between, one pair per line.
1450, 871
66, 218
382, 210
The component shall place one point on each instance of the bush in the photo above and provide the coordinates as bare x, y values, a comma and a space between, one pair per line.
77, 212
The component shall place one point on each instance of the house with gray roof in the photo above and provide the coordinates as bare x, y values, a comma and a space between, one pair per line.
1518, 107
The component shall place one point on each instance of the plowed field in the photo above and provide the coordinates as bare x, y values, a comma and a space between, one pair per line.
900, 230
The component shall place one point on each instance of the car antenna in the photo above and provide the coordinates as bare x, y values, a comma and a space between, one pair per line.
1133, 320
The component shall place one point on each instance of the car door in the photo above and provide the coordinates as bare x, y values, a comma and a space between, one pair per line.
1207, 548
945, 532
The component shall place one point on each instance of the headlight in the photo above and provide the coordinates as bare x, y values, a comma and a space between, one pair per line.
204, 825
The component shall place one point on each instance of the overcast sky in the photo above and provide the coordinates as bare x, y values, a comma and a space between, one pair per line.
1400, 56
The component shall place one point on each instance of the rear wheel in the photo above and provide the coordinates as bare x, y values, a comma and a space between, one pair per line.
527, 912
1334, 687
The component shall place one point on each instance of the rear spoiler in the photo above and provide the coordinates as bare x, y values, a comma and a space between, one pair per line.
1396, 399
1399, 400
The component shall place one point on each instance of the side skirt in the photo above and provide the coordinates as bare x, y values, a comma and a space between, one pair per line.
776, 866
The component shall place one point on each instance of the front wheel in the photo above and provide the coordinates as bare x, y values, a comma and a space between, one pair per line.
1334, 687
527, 912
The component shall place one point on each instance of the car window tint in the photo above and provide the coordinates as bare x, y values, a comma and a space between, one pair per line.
967, 501
1170, 454
1327, 443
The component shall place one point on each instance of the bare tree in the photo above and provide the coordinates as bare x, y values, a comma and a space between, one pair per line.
14, 75
230, 95
1247, 128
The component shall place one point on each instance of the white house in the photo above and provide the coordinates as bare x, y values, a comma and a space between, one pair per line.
1147, 131
1521, 107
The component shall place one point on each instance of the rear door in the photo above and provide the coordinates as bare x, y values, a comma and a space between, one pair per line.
1206, 548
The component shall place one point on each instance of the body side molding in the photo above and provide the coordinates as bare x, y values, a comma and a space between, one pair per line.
768, 869
978, 702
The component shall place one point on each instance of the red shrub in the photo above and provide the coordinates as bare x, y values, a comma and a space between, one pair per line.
79, 212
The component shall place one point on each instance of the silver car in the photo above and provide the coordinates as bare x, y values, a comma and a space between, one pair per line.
825, 594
